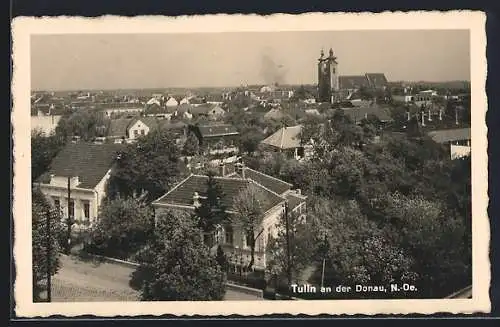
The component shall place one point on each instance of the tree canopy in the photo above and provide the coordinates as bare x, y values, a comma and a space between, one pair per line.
123, 228
44, 240
177, 265
151, 165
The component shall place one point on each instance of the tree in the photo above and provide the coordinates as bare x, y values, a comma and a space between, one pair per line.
302, 247
249, 206
191, 146
43, 150
41, 212
221, 259
151, 165
360, 253
123, 228
177, 266
434, 238
250, 139
211, 212
83, 123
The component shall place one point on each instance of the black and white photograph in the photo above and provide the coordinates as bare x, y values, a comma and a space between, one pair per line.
200, 159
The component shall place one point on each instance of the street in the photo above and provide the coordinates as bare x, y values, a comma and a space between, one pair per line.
85, 281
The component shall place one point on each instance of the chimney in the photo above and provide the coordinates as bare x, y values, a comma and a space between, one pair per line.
240, 169
196, 200
222, 169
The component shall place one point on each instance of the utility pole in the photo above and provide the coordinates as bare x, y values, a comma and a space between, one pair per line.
288, 266
68, 248
49, 250
323, 273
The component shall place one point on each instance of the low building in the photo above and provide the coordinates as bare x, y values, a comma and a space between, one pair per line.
119, 108
211, 111
45, 124
279, 195
86, 167
357, 114
118, 130
171, 102
287, 140
217, 139
458, 140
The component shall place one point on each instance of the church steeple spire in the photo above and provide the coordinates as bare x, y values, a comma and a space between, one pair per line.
331, 53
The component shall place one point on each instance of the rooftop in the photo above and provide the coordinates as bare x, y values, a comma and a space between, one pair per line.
90, 162
217, 130
285, 138
182, 194
450, 135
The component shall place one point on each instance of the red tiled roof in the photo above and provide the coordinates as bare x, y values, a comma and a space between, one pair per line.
182, 194
90, 162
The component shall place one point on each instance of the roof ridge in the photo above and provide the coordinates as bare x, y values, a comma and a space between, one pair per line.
272, 177
174, 188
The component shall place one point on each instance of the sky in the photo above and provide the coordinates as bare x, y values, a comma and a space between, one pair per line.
127, 61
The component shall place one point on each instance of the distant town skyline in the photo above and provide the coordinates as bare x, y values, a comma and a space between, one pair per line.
132, 61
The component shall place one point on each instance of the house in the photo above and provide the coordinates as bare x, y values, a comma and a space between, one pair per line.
141, 126
211, 111
274, 114
458, 140
280, 199
357, 114
214, 99
156, 110
217, 139
118, 129
45, 124
287, 140
119, 108
86, 167
171, 102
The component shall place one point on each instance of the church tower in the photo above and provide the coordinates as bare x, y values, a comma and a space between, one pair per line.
328, 78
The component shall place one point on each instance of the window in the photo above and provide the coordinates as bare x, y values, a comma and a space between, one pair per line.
86, 209
136, 132
72, 208
57, 204
142, 132
248, 239
229, 234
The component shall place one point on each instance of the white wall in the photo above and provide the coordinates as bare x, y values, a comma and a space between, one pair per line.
458, 151
57, 189
47, 124
137, 126
77, 195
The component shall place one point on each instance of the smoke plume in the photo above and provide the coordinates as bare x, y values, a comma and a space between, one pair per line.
271, 71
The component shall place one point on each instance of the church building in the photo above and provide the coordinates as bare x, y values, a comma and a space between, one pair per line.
333, 87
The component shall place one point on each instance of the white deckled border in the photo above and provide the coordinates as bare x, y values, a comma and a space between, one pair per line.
23, 27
